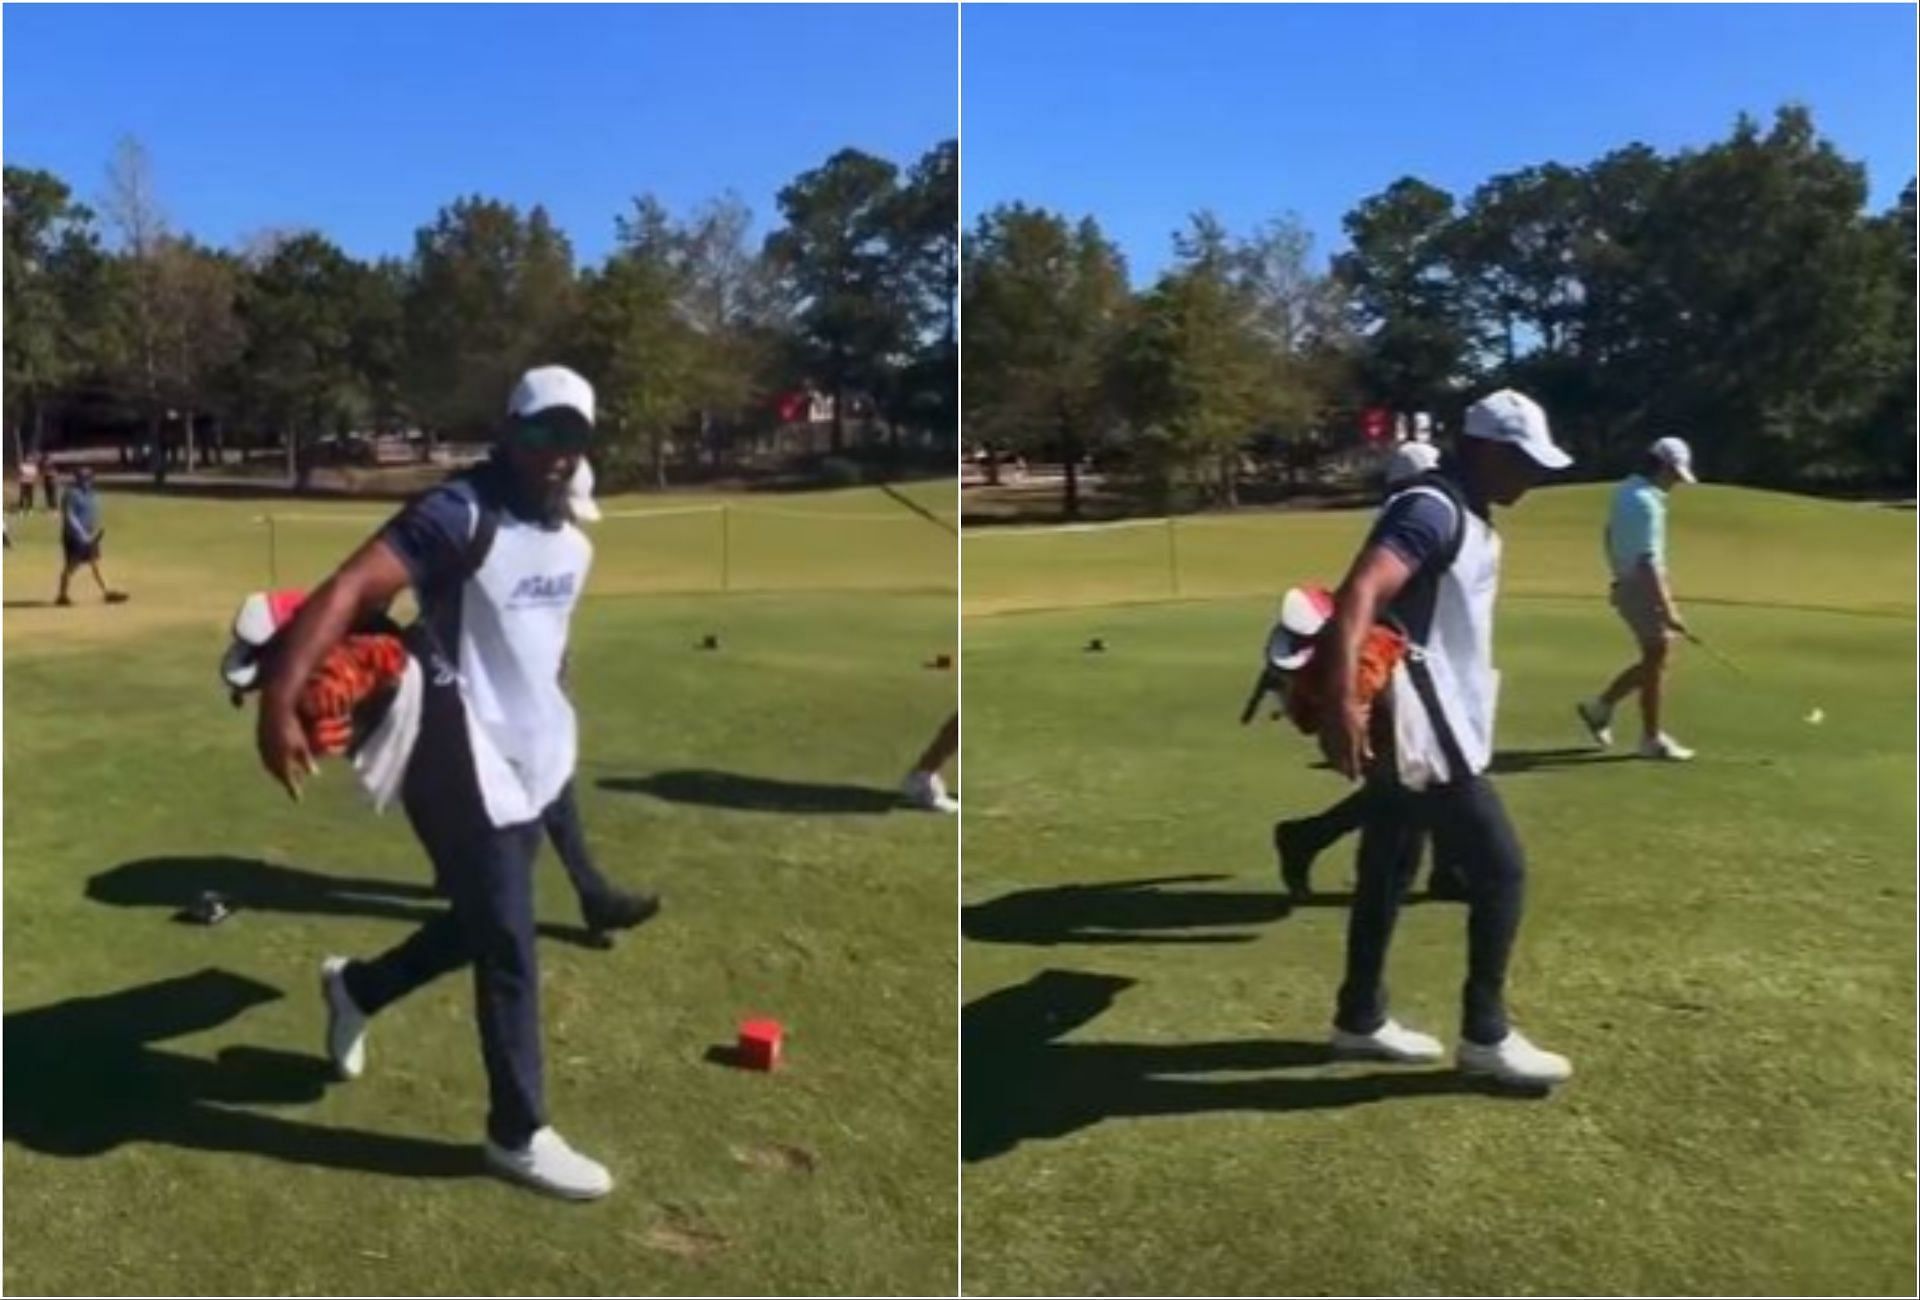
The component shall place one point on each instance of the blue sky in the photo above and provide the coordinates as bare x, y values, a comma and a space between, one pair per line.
362, 120
1143, 114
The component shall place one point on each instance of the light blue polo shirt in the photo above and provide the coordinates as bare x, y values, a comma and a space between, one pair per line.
1637, 526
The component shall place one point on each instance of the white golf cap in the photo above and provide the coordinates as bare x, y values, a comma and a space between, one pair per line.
1507, 416
580, 494
1675, 455
548, 387
1410, 460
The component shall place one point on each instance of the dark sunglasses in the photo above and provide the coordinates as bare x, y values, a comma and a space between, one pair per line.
564, 433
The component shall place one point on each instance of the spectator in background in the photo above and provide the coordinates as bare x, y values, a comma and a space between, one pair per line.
29, 479
81, 532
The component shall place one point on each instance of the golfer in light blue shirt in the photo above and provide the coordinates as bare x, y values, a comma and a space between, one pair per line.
1636, 548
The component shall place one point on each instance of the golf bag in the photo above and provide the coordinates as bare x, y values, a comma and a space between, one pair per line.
1295, 675
347, 697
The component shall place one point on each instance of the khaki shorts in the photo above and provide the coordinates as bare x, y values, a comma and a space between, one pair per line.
1638, 602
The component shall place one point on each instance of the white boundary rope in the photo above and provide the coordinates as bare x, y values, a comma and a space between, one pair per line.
1051, 530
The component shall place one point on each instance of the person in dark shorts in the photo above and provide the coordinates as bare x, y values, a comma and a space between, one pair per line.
81, 533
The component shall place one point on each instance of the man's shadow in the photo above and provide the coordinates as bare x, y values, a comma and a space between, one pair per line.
1123, 911
249, 884
744, 793
84, 1077
1018, 1081
1507, 762
1515, 761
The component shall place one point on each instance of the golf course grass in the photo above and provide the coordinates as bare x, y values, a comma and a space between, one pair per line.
1725, 949
170, 1128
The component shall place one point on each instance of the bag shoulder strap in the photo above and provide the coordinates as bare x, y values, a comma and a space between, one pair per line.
1416, 660
1429, 695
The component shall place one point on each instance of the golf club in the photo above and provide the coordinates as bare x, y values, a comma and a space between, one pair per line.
1814, 716
1720, 658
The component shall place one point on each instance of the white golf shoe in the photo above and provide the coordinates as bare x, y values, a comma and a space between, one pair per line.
926, 791
1515, 1061
1392, 1041
547, 1164
346, 1023
1598, 719
1665, 749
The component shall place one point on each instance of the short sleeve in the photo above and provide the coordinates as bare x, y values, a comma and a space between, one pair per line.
1416, 526
431, 536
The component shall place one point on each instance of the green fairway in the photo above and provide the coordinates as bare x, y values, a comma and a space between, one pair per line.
168, 1126
1724, 949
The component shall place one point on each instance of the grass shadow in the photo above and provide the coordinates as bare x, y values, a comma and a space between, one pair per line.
1019, 1082
251, 885
1123, 912
83, 1077
745, 793
1508, 762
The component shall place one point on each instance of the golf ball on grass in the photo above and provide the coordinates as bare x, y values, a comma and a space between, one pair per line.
1817, 717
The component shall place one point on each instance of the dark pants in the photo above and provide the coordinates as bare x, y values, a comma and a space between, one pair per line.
569, 838
1469, 825
1326, 828
486, 873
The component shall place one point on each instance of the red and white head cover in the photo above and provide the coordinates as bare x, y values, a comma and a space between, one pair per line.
261, 615
1303, 612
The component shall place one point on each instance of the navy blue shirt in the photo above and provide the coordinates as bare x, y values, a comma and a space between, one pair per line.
1416, 527
431, 535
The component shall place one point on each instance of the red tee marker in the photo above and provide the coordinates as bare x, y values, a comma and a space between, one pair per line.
760, 1044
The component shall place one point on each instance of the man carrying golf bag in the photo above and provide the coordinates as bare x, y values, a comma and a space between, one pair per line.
1431, 567
496, 564
1297, 841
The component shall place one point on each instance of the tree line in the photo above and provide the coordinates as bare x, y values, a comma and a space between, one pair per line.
1739, 294
696, 335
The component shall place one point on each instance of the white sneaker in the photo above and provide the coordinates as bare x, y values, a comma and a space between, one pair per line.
346, 1023
925, 790
1599, 721
1392, 1041
1514, 1060
548, 1164
1665, 748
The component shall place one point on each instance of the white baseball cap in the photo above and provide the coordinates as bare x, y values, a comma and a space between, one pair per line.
1508, 416
1411, 459
580, 494
547, 387
1675, 455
